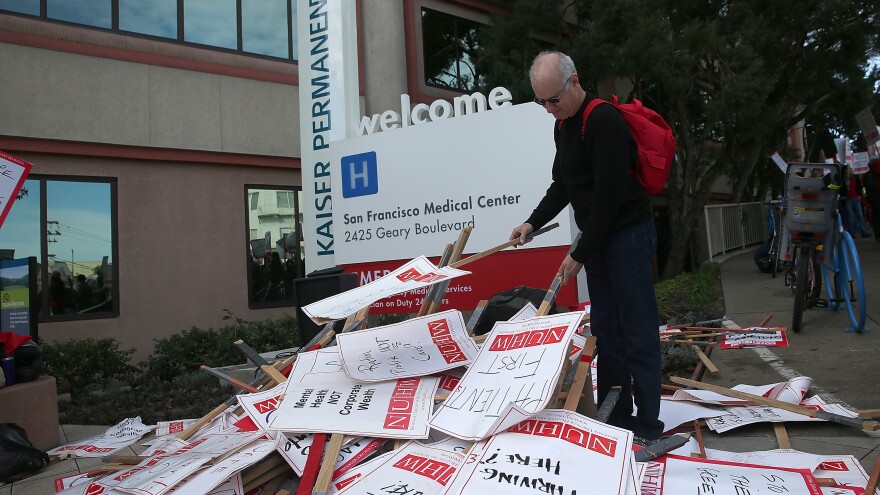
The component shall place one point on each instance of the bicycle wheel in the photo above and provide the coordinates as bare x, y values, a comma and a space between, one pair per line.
852, 283
801, 286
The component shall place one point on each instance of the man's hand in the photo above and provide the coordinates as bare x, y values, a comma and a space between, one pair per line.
521, 232
569, 269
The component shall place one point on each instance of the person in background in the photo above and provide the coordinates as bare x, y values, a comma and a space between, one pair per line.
592, 172
855, 218
872, 194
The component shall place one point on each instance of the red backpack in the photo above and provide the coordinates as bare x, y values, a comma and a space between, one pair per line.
653, 136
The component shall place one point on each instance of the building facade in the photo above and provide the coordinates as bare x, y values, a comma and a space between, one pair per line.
164, 138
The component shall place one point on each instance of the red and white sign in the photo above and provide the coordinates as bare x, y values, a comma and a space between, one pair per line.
260, 406
13, 172
333, 403
117, 437
412, 275
416, 347
558, 448
490, 275
763, 338
745, 415
674, 475
512, 377
413, 469
295, 450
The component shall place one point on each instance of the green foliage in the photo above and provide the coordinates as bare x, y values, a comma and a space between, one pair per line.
187, 351
81, 364
691, 297
678, 360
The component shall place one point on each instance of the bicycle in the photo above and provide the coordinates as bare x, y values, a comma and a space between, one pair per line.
810, 206
774, 234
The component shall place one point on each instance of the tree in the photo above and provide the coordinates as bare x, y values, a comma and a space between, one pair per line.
729, 77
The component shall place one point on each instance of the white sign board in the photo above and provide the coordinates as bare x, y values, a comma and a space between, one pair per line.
675, 475
412, 348
558, 448
413, 469
406, 192
333, 403
868, 126
412, 275
295, 450
860, 162
117, 437
512, 378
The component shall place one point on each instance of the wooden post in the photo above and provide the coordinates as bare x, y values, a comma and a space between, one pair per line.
781, 436
325, 475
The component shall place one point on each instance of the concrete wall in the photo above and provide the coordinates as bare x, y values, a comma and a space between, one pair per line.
182, 246
56, 95
384, 49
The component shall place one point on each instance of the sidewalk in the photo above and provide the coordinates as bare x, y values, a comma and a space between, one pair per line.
842, 365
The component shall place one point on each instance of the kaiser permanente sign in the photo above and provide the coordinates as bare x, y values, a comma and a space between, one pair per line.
413, 179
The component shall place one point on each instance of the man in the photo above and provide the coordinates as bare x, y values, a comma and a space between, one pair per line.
593, 171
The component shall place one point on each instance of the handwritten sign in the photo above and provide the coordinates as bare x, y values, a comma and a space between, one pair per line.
792, 391
413, 469
333, 403
673, 475
412, 348
746, 415
13, 173
414, 274
212, 476
755, 339
860, 162
512, 378
556, 448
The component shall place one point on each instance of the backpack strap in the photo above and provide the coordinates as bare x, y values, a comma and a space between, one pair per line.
590, 106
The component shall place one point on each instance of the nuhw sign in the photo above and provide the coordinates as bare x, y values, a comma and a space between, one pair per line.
414, 179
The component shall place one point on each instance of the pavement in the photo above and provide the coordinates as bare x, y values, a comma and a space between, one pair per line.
842, 365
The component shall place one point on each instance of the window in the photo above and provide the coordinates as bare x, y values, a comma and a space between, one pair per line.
260, 27
286, 199
275, 250
450, 47
68, 224
150, 17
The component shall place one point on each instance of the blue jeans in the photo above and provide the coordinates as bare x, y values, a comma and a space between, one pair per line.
623, 317
854, 217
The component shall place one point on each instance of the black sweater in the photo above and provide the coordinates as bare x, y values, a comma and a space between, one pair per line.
593, 173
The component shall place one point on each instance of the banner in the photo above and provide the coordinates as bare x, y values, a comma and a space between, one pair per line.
333, 403
413, 348
513, 377
412, 275
556, 451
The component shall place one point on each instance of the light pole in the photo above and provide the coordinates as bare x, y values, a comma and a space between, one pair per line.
72, 265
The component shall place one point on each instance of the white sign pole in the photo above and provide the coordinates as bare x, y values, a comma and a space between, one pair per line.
329, 105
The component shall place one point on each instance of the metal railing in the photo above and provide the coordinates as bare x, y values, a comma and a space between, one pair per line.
734, 226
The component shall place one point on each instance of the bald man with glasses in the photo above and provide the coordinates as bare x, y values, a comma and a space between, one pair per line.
594, 171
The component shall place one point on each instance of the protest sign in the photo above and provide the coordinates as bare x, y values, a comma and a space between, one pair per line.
117, 437
412, 275
860, 163
674, 475
846, 471
295, 450
260, 406
448, 380
359, 471
319, 361
556, 451
416, 347
333, 403
13, 173
755, 339
792, 391
414, 468
678, 412
737, 416
172, 427
778, 457
212, 476
779, 161
512, 378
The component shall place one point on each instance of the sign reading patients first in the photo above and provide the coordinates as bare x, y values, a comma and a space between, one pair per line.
413, 180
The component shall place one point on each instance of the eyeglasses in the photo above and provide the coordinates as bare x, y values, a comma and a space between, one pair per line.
553, 99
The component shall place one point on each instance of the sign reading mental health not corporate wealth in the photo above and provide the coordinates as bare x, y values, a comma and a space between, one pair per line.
410, 189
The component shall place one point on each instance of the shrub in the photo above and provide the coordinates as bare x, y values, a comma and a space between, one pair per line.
691, 297
186, 351
77, 365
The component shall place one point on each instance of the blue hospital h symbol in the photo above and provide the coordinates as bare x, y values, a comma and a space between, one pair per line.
359, 175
